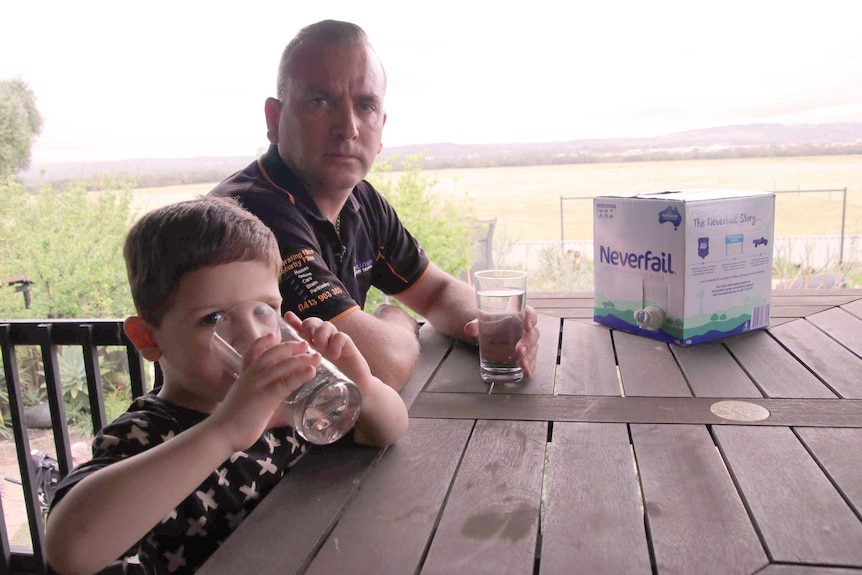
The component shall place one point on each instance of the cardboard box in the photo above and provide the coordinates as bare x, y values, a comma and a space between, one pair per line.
691, 265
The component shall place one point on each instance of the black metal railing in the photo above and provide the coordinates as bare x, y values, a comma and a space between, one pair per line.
49, 336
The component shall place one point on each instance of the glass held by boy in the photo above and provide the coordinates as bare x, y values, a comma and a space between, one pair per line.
173, 476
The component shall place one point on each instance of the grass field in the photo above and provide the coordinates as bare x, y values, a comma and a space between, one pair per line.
527, 199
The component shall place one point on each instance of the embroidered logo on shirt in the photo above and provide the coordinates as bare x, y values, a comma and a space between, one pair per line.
362, 267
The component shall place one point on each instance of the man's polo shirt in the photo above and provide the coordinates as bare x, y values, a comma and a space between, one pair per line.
326, 273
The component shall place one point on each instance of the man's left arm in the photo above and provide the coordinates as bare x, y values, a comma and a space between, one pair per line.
449, 305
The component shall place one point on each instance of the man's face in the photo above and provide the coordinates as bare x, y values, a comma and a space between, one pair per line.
328, 127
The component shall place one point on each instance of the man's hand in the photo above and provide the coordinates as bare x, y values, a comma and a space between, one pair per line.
527, 347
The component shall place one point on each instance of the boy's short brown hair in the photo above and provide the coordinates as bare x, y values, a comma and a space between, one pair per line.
171, 241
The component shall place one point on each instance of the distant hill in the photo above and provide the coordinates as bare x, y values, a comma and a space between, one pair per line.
751, 140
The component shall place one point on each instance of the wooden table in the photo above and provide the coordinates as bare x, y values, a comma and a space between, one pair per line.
620, 455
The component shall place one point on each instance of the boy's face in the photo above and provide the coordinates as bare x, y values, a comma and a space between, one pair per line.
194, 376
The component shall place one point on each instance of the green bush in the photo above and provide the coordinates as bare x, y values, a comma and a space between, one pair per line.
68, 243
442, 226
562, 271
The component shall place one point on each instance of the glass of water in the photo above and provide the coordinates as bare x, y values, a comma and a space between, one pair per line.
500, 296
324, 408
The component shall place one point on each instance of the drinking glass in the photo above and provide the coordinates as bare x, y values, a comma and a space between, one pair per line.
500, 297
325, 407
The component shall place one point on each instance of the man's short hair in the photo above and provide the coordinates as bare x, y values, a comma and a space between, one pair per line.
171, 241
325, 31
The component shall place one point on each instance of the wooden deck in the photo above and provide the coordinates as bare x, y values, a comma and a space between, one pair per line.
620, 455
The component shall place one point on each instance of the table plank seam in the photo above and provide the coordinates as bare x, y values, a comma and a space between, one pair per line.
445, 503
832, 337
801, 362
745, 370
829, 476
741, 494
648, 531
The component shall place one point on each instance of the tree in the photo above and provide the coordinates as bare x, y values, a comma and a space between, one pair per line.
441, 225
69, 243
20, 123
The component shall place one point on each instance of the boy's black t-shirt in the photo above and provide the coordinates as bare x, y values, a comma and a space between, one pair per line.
187, 536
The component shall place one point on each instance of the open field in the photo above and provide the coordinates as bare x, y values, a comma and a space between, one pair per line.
527, 199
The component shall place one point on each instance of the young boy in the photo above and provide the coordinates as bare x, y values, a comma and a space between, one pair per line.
173, 476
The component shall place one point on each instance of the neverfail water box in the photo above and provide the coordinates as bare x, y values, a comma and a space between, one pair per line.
685, 266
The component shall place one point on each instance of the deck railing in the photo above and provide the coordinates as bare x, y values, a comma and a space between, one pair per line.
49, 336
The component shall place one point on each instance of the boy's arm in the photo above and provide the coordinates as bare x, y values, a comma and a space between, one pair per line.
383, 416
109, 511
112, 509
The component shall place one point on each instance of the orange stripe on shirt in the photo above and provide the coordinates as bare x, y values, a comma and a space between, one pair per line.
380, 256
414, 283
346, 312
268, 179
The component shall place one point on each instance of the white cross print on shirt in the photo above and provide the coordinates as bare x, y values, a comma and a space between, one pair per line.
169, 516
175, 560
138, 434
196, 527
294, 443
222, 476
207, 499
266, 466
250, 491
271, 441
236, 455
108, 441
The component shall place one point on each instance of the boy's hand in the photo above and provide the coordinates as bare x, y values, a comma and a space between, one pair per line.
270, 374
334, 345
383, 416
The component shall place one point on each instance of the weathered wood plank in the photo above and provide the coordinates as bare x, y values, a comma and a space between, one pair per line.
587, 362
800, 515
794, 311
647, 367
560, 294
540, 303
854, 307
851, 293
305, 504
491, 520
805, 570
400, 501
434, 348
813, 297
712, 372
460, 371
697, 522
568, 312
603, 409
594, 520
775, 371
839, 451
841, 326
833, 363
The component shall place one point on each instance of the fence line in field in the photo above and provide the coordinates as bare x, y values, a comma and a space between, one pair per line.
813, 253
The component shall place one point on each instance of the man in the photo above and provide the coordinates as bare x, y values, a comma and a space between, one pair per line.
337, 234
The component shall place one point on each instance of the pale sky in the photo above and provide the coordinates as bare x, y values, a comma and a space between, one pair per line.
133, 79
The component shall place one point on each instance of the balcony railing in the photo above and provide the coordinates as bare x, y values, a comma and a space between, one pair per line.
48, 336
